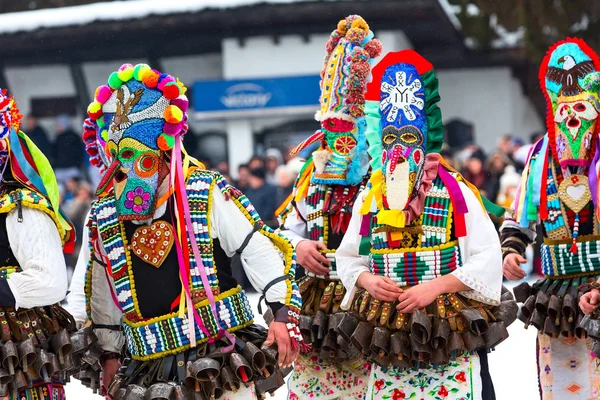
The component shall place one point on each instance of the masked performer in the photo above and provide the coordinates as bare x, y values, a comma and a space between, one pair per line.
421, 259
161, 237
320, 208
558, 190
36, 348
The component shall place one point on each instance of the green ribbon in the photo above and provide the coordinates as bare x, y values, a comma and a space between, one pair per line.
46, 173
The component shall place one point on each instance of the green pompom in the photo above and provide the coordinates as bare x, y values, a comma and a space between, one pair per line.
100, 122
114, 81
138, 69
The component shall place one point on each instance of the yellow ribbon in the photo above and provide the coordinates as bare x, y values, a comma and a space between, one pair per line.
395, 218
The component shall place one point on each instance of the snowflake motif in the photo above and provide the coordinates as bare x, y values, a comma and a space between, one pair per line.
401, 96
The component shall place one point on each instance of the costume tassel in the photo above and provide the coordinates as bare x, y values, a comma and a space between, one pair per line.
575, 234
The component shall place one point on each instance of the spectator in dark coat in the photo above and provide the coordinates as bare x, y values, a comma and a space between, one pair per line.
262, 195
39, 136
68, 151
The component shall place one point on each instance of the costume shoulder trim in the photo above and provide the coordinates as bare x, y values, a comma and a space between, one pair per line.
29, 198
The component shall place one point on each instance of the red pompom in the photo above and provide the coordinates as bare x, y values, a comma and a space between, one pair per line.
95, 115
355, 98
360, 69
171, 92
374, 48
331, 43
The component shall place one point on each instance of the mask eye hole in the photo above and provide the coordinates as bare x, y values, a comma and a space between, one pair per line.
389, 138
147, 163
579, 107
127, 154
409, 138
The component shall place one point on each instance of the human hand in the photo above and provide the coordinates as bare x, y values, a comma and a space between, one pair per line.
109, 370
511, 267
279, 334
417, 297
380, 287
309, 257
589, 302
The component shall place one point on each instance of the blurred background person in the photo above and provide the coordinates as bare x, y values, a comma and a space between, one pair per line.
68, 151
474, 171
494, 167
256, 162
262, 195
243, 181
38, 135
273, 165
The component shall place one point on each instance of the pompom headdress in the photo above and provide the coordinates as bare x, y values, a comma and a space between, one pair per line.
29, 166
346, 68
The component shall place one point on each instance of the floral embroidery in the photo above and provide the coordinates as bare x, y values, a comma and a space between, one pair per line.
316, 378
450, 382
138, 200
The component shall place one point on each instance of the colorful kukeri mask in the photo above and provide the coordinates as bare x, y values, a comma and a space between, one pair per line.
139, 115
572, 107
10, 119
342, 157
404, 124
404, 133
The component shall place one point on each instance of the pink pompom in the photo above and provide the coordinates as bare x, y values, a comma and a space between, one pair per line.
182, 103
163, 82
103, 93
172, 129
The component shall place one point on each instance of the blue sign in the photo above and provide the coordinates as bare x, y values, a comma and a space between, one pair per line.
256, 96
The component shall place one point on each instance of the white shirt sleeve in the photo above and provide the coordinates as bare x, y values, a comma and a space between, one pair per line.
348, 262
294, 228
37, 247
76, 297
260, 259
481, 254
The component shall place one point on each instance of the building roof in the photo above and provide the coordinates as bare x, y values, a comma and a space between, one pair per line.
153, 29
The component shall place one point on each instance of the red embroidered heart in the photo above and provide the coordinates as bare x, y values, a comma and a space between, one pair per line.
152, 243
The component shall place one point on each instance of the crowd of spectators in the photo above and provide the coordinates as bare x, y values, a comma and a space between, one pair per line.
266, 180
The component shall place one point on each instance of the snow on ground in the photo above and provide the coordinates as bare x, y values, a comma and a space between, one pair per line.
512, 366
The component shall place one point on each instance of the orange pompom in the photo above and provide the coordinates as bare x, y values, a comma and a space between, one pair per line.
165, 142
150, 78
173, 114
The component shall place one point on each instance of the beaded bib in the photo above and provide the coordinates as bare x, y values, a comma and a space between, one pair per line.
319, 216
421, 252
558, 257
152, 338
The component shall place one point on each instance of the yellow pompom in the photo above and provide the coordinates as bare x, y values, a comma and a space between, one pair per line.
342, 26
125, 74
94, 110
173, 114
361, 24
139, 69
